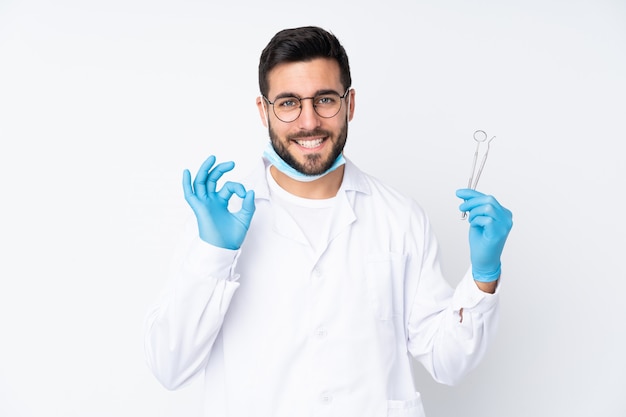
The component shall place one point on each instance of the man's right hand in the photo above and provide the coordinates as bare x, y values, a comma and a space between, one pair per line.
216, 224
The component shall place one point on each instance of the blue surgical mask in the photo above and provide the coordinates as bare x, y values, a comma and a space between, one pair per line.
271, 155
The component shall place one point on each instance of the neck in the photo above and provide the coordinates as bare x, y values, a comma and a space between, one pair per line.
322, 188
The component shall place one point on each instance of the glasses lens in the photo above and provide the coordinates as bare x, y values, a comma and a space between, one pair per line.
287, 109
327, 105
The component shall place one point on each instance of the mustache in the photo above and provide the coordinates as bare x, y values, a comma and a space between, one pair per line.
309, 133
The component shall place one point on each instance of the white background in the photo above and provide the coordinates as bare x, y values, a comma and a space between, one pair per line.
104, 103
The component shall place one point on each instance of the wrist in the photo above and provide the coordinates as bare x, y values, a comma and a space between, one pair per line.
486, 275
488, 287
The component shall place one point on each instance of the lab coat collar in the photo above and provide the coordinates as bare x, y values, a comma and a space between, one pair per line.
354, 181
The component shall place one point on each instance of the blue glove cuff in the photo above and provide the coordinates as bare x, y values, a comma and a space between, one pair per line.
489, 277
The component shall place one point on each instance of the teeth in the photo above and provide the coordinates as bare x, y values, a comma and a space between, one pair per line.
310, 143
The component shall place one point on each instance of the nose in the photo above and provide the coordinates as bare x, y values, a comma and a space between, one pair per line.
308, 119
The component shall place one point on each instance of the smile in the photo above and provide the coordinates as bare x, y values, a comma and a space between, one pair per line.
310, 144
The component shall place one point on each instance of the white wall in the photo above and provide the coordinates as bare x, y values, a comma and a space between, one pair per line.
104, 103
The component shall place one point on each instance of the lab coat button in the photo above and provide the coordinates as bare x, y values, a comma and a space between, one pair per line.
326, 398
317, 273
321, 332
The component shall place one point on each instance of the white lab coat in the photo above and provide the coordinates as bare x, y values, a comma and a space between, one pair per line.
279, 330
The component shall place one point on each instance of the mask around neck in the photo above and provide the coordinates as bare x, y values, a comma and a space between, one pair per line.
271, 155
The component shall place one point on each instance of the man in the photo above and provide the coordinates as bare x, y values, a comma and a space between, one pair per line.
309, 298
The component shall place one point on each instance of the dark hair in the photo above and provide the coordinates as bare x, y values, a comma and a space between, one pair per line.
302, 44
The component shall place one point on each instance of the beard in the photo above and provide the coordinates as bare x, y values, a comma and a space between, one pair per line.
313, 164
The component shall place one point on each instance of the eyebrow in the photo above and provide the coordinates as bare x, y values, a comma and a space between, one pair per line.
317, 93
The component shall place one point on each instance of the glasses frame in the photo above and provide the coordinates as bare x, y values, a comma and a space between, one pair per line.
341, 97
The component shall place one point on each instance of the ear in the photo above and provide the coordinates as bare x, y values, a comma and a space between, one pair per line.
260, 104
351, 96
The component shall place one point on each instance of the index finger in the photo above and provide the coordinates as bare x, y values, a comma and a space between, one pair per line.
216, 173
467, 193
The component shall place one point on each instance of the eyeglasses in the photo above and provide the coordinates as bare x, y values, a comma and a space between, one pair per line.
288, 109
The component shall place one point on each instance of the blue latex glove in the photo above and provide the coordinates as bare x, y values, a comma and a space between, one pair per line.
216, 224
490, 224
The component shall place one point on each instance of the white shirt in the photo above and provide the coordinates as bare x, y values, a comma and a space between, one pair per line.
280, 329
313, 217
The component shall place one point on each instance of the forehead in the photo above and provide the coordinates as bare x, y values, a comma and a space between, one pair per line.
305, 78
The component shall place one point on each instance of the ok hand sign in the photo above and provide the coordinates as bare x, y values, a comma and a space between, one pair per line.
216, 224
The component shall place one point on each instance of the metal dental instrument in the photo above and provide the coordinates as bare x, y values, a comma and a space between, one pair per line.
480, 137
